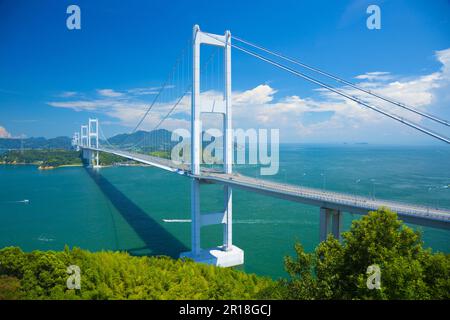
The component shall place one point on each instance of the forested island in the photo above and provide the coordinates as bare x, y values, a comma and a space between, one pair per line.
53, 158
58, 152
335, 270
45, 159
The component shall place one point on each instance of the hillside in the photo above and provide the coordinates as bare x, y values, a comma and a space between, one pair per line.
145, 140
47, 158
117, 275
158, 139
36, 143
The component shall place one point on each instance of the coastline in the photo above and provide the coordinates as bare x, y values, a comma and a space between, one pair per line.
69, 165
40, 166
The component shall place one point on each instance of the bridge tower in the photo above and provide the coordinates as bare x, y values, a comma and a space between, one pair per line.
84, 137
227, 254
76, 140
93, 141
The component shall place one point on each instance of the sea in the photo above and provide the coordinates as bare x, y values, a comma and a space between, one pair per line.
146, 211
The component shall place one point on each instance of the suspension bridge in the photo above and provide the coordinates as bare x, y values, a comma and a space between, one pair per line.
154, 150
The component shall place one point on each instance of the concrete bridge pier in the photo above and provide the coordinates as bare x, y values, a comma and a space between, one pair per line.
92, 159
86, 155
225, 255
330, 222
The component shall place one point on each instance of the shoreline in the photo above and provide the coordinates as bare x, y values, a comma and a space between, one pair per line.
41, 167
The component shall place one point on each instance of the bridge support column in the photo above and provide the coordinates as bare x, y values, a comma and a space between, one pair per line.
225, 255
195, 217
228, 219
327, 217
87, 156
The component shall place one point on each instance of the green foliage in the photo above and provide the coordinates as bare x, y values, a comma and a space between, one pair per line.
9, 288
45, 157
36, 143
108, 159
160, 154
117, 275
160, 140
338, 270
56, 157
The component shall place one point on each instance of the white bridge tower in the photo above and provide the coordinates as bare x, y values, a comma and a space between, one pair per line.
225, 255
93, 141
84, 136
76, 141
88, 140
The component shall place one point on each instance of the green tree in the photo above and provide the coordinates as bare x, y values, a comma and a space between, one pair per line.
117, 275
338, 270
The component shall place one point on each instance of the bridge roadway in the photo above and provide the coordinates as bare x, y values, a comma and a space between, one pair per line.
410, 213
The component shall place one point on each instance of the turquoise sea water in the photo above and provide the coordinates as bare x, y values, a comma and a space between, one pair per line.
132, 208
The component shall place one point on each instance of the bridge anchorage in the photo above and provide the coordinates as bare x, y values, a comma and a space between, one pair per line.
226, 255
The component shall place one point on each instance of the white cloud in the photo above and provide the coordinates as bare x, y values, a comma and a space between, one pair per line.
109, 93
377, 75
443, 57
144, 91
68, 94
80, 105
4, 133
261, 94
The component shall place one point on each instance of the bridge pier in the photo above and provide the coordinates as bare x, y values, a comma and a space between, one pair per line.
90, 157
225, 255
330, 217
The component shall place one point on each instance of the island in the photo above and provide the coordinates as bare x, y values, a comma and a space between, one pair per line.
47, 159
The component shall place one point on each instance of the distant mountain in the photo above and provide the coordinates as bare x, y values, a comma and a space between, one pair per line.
143, 140
148, 140
36, 143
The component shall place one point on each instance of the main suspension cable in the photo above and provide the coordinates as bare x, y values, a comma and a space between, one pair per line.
339, 92
338, 79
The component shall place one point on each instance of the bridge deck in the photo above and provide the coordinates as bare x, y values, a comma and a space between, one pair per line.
416, 214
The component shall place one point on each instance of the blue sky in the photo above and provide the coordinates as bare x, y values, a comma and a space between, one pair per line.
52, 79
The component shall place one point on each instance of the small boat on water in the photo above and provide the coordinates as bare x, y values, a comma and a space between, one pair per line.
44, 238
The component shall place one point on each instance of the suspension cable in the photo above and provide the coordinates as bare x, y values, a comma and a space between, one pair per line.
339, 92
172, 109
160, 91
210, 58
338, 79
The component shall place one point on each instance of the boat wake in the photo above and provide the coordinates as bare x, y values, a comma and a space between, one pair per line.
261, 221
25, 201
255, 221
176, 220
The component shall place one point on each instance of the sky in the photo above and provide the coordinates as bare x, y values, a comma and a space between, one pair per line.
53, 79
